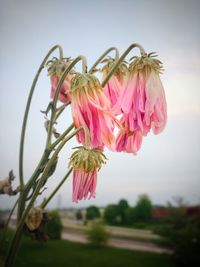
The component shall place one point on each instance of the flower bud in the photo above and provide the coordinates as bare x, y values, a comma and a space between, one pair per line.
85, 163
34, 218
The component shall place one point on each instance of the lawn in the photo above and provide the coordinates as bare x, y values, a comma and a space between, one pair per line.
67, 254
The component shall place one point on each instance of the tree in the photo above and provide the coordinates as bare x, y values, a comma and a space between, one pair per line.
182, 235
130, 215
122, 207
111, 214
92, 213
143, 208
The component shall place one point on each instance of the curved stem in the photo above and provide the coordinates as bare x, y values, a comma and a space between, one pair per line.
18, 234
103, 55
37, 171
60, 110
46, 201
24, 124
55, 99
61, 136
21, 152
114, 68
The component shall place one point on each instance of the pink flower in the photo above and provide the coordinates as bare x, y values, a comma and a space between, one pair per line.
91, 108
143, 97
129, 142
129, 139
155, 106
112, 90
84, 184
85, 163
115, 84
56, 67
64, 94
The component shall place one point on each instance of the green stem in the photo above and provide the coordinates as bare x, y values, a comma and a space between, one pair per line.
21, 176
24, 124
55, 99
102, 57
27, 187
18, 234
60, 138
114, 68
60, 110
37, 171
7, 223
46, 201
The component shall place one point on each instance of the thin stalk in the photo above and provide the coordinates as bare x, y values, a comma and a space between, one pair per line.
46, 201
55, 99
102, 57
7, 223
37, 171
21, 153
114, 68
27, 187
24, 124
10, 259
60, 138
60, 110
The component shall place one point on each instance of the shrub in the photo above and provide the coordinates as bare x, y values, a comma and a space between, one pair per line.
111, 214
54, 225
97, 234
183, 236
92, 213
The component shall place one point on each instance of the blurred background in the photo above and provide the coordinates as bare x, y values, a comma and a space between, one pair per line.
167, 166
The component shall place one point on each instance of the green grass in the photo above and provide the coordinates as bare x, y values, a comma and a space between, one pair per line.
152, 226
67, 254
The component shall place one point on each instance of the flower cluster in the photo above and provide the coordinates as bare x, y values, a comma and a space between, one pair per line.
133, 99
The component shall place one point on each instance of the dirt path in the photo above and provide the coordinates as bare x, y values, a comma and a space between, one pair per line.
118, 243
117, 232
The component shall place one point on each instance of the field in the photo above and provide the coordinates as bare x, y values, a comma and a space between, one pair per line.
67, 254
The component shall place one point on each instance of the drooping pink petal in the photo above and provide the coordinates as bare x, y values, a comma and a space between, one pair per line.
64, 92
112, 90
91, 108
129, 142
84, 184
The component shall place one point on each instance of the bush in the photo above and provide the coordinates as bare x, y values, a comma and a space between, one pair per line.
97, 235
183, 235
111, 214
54, 225
92, 213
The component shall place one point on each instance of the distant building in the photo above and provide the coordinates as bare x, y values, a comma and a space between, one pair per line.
193, 210
159, 213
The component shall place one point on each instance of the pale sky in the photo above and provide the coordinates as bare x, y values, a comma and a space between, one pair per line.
168, 164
